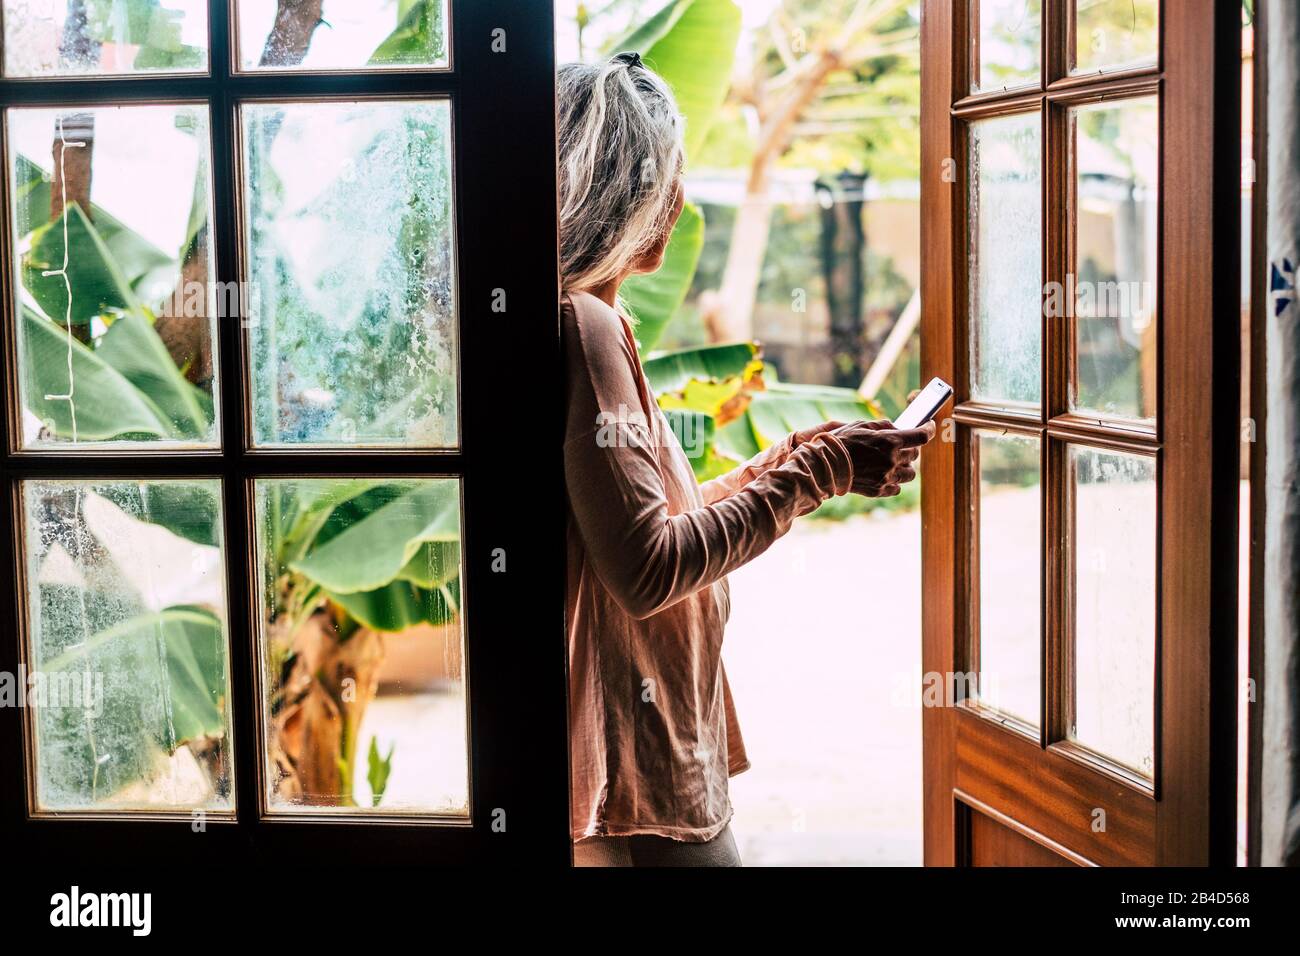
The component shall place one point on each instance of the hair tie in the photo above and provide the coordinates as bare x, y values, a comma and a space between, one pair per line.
630, 58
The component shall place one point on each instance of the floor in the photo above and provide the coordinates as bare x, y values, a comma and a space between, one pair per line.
825, 680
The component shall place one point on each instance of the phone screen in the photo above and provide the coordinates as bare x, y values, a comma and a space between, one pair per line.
925, 406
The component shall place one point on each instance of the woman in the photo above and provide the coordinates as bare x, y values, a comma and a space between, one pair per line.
653, 734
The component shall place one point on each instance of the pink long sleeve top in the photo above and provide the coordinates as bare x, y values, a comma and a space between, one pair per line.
652, 728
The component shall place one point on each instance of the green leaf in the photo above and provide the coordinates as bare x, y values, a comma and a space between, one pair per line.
156, 30
418, 37
379, 771
189, 509
108, 406
433, 565
178, 653
373, 551
783, 408
695, 432
133, 348
691, 44
672, 371
654, 297
399, 605
98, 284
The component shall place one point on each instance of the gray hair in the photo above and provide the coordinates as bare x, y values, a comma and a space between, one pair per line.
620, 145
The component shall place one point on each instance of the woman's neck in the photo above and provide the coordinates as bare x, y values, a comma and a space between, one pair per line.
608, 292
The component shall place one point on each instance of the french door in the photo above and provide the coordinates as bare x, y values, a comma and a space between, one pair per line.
1080, 177
278, 278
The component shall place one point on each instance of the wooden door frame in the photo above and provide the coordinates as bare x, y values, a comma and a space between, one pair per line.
501, 83
1191, 816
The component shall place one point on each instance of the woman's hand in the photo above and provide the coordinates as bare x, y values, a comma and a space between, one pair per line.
808, 434
883, 456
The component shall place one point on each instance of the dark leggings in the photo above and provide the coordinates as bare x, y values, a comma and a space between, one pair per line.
656, 851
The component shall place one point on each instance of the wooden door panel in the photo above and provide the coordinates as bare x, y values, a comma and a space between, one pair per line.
988, 839
1052, 794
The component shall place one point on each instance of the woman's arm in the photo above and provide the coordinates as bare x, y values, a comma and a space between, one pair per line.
724, 486
647, 558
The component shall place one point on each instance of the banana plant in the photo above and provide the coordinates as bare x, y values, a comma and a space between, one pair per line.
346, 561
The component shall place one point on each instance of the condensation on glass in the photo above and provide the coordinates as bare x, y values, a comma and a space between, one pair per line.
1111, 705
1007, 39
114, 310
351, 311
361, 645
53, 38
1006, 517
126, 645
1111, 35
342, 35
1006, 300
1115, 167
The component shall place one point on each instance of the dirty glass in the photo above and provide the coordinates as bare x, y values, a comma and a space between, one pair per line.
1116, 168
351, 305
360, 638
1006, 258
114, 311
127, 645
46, 38
1113, 553
1006, 513
1009, 34
1113, 35
342, 34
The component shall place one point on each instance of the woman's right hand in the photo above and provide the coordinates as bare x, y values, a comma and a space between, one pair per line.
883, 456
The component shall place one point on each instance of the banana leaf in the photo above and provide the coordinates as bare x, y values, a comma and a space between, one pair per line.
418, 37
653, 298
133, 348
107, 405
165, 681
97, 281
673, 371
373, 551
696, 432
691, 44
782, 408
148, 25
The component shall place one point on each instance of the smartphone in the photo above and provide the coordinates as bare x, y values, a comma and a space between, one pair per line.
925, 406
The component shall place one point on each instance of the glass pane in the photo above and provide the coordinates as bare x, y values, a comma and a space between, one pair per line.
1007, 517
1010, 44
1006, 258
1116, 161
1112, 35
362, 645
352, 311
1113, 499
116, 335
104, 38
341, 34
127, 645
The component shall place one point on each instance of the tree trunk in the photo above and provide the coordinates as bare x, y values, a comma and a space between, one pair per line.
323, 698
729, 315
290, 36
